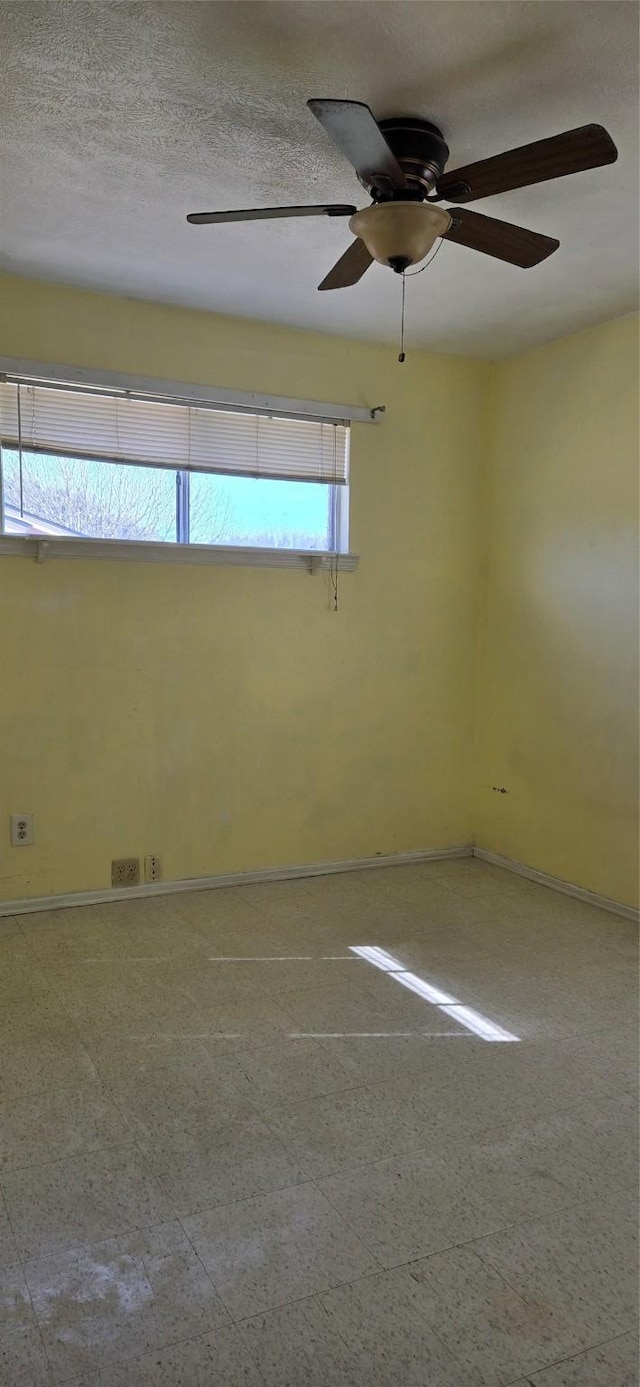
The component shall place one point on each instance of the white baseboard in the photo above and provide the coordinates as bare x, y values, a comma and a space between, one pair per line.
557, 884
210, 883
29, 904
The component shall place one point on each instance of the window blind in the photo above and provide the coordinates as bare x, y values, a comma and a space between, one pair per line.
124, 428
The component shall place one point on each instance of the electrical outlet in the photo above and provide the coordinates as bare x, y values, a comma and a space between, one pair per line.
21, 830
125, 871
152, 867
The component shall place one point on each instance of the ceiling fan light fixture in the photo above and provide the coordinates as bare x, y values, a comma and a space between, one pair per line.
399, 234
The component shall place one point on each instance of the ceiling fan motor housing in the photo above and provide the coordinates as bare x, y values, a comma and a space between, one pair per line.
421, 151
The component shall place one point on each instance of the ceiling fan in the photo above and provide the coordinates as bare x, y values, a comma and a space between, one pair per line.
401, 164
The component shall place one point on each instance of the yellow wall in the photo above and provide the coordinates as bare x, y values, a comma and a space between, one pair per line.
558, 678
227, 719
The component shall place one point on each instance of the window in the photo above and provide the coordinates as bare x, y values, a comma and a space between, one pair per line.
78, 496
87, 463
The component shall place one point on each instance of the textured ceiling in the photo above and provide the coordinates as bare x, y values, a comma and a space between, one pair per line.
117, 119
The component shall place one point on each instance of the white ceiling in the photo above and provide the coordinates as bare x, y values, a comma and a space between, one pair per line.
118, 119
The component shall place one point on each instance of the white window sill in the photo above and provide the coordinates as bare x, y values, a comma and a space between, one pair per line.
42, 548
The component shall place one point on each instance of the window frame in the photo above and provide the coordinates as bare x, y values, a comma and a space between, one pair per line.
338, 556
338, 503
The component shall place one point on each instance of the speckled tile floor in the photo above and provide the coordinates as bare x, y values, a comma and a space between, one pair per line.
367, 1130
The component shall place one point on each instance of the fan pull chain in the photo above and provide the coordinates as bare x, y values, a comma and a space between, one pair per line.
401, 356
424, 267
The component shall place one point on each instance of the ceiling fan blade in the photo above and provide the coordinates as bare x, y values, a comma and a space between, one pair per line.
349, 268
253, 214
514, 244
352, 126
588, 147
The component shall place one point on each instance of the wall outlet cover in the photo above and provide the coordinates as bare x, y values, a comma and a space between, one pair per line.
125, 871
152, 867
21, 828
